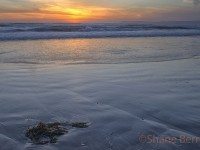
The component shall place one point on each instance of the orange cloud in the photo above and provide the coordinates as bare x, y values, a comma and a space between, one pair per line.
67, 12
78, 11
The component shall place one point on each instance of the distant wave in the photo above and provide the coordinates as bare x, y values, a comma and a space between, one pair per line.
22, 31
85, 27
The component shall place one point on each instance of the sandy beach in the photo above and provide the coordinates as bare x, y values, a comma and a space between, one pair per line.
121, 101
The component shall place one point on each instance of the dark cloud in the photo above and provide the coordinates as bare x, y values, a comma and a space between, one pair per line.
19, 6
196, 2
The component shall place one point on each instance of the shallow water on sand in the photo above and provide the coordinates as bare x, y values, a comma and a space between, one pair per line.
105, 50
121, 101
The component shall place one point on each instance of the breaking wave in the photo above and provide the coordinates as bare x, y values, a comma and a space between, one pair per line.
22, 31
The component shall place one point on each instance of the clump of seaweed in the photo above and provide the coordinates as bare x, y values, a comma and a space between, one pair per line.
44, 133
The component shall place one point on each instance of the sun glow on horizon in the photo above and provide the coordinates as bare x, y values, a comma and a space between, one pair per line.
77, 11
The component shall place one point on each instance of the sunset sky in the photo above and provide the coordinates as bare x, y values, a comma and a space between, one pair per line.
98, 10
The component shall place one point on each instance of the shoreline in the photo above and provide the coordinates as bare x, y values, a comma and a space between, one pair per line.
94, 37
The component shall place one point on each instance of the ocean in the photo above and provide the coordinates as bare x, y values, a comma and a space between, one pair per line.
97, 43
24, 31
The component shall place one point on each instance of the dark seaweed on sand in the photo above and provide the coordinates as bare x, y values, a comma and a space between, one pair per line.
44, 133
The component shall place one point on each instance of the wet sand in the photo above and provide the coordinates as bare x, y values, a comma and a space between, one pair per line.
121, 101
